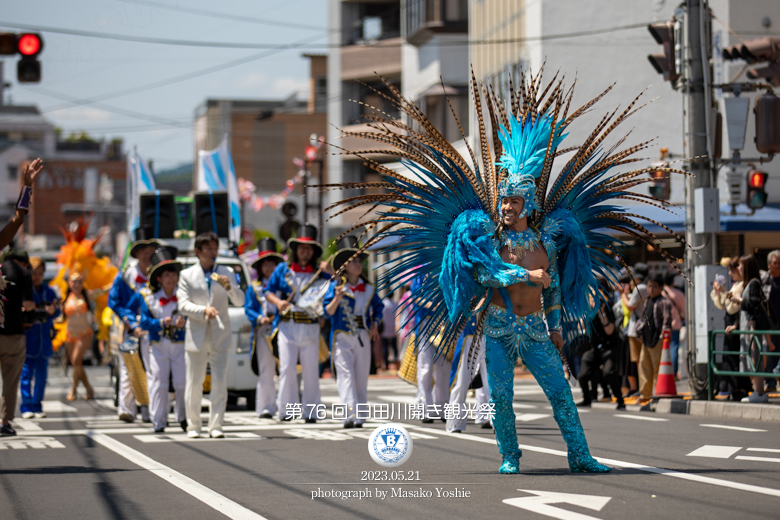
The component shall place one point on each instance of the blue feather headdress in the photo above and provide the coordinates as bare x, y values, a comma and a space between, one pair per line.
411, 218
522, 161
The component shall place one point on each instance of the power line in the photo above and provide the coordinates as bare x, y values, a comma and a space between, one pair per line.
236, 18
240, 45
165, 82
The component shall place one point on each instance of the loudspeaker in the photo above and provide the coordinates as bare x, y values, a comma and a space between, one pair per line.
158, 214
212, 213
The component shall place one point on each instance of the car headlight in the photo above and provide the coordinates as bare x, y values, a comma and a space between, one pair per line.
244, 339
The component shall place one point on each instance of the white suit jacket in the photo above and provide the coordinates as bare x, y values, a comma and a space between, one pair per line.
194, 297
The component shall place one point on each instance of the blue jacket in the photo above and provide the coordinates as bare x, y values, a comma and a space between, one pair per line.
253, 309
125, 302
152, 324
279, 286
38, 336
338, 322
471, 328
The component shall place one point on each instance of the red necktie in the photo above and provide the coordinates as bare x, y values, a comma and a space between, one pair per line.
140, 279
166, 301
298, 269
361, 287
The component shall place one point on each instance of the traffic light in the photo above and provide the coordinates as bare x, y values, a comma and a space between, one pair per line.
666, 63
29, 45
28, 70
756, 193
660, 187
758, 50
767, 112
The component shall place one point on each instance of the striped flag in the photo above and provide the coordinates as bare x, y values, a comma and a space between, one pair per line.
139, 180
216, 173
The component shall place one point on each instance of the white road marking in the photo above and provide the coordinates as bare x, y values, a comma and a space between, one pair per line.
738, 428
622, 464
641, 417
759, 459
182, 437
540, 504
715, 452
59, 407
527, 417
768, 450
26, 425
36, 443
206, 495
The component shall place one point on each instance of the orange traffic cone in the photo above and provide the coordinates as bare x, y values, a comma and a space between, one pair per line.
664, 385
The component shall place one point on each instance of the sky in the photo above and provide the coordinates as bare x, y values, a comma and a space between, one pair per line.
102, 85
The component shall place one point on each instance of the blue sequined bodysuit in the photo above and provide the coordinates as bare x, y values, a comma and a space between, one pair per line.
508, 336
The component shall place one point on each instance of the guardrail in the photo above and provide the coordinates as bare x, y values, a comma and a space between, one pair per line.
755, 364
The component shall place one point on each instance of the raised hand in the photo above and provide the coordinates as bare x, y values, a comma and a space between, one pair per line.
32, 171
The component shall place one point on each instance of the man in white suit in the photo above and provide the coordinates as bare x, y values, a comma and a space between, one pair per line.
204, 290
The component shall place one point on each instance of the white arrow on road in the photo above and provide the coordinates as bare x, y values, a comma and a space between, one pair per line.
541, 504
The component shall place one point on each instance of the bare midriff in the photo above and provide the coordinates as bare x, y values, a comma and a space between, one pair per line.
525, 299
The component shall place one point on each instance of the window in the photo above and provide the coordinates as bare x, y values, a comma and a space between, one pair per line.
13, 171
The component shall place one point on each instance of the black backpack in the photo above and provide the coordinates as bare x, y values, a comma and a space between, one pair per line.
646, 327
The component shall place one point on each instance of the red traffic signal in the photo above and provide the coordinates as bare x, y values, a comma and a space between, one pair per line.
757, 179
756, 193
30, 44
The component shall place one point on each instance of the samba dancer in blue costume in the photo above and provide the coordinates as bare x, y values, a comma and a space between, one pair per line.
495, 241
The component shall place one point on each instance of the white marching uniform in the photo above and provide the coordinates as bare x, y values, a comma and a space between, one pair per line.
433, 381
353, 360
265, 394
460, 387
127, 403
166, 361
297, 341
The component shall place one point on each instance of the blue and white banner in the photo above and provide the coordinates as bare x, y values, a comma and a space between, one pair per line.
216, 173
139, 180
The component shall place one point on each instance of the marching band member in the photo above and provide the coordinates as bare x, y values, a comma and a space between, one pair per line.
161, 319
260, 314
463, 372
298, 332
432, 374
204, 290
355, 312
123, 301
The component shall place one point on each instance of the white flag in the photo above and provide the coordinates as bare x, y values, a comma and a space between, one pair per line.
216, 173
139, 180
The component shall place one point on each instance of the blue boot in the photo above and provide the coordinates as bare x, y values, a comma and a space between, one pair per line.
565, 413
506, 435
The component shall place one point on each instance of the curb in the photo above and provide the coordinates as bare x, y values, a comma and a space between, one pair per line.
720, 409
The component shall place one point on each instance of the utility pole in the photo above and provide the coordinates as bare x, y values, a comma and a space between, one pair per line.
697, 87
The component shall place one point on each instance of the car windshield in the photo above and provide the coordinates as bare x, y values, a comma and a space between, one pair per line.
237, 267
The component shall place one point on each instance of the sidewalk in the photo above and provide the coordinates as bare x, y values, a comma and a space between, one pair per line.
719, 408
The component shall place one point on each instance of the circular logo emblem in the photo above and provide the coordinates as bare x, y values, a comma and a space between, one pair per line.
390, 445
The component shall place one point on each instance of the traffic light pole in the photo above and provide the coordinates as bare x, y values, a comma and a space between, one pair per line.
697, 85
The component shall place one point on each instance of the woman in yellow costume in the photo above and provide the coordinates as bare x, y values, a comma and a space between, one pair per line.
88, 280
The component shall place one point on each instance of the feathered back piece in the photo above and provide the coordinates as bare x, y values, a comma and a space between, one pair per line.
417, 217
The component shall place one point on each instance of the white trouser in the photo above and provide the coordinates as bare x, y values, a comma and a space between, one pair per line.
433, 381
265, 396
166, 361
126, 395
196, 373
353, 363
299, 340
460, 388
